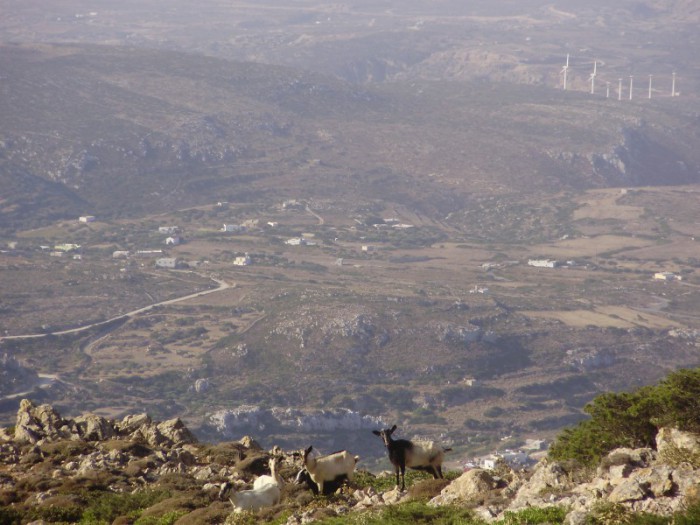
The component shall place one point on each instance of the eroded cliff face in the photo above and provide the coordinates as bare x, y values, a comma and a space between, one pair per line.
642, 158
46, 460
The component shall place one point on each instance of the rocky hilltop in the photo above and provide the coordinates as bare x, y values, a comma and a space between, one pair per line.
56, 469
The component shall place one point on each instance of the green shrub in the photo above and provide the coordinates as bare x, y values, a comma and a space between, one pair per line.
383, 483
9, 516
606, 513
166, 519
534, 516
69, 513
106, 507
632, 419
412, 512
691, 515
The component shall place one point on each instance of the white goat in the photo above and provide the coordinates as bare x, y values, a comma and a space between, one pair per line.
418, 455
325, 469
274, 478
266, 492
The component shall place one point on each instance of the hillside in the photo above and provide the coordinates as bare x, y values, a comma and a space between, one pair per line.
136, 470
121, 132
389, 230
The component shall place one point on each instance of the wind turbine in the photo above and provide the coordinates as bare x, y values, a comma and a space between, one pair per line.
630, 87
619, 89
565, 69
607, 90
650, 86
673, 85
592, 77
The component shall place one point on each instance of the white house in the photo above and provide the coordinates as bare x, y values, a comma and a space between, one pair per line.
86, 218
543, 263
66, 247
173, 240
489, 462
295, 241
667, 276
120, 254
167, 262
242, 261
168, 230
232, 228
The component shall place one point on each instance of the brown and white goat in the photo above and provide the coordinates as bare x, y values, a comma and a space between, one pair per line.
418, 455
326, 469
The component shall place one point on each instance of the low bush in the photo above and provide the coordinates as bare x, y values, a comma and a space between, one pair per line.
534, 516
106, 507
412, 512
632, 419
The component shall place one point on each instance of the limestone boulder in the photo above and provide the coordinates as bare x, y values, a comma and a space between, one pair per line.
676, 446
36, 423
175, 432
470, 486
92, 427
628, 490
622, 461
132, 423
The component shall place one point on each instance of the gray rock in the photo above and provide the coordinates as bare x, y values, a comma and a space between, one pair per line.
132, 423
628, 490
92, 427
576, 517
675, 446
469, 486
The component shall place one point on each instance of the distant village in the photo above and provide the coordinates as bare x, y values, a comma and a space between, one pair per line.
172, 236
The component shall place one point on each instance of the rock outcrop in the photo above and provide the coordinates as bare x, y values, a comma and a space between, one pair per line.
638, 479
40, 424
138, 453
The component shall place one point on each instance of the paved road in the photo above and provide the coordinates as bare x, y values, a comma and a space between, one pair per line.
222, 286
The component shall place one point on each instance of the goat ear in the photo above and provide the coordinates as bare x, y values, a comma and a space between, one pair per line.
376, 433
308, 450
393, 428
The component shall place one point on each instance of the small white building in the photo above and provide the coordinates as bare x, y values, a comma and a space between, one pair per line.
168, 230
232, 228
367, 248
167, 262
242, 261
66, 247
86, 218
667, 276
543, 263
148, 253
489, 462
120, 254
272, 224
295, 241
173, 240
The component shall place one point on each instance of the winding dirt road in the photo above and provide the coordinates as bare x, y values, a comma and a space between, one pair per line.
223, 285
